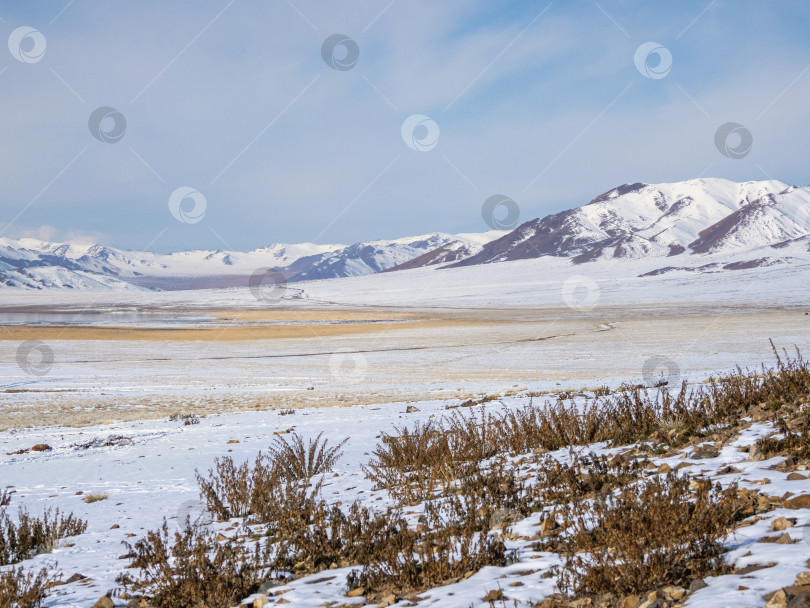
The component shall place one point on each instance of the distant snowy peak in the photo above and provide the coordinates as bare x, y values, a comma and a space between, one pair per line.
643, 220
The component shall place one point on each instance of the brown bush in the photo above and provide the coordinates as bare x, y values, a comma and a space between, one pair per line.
24, 589
295, 461
195, 570
645, 536
29, 536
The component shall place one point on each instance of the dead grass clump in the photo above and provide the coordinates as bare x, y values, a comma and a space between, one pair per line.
452, 539
659, 532
95, 497
295, 461
793, 444
20, 588
5, 497
194, 570
186, 419
30, 536
243, 490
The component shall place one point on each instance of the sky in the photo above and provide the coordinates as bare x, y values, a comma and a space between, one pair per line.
234, 124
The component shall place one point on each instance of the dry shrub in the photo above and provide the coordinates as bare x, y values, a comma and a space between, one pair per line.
452, 539
793, 444
659, 532
195, 570
186, 419
95, 497
5, 498
230, 490
295, 461
30, 536
23, 589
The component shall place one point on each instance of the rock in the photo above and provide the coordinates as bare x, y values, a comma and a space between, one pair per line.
697, 585
754, 453
411, 409
260, 601
388, 600
104, 602
664, 469
356, 592
704, 454
782, 523
777, 600
796, 477
41, 447
799, 502
496, 595
631, 601
802, 600
672, 592
803, 578
75, 577
779, 540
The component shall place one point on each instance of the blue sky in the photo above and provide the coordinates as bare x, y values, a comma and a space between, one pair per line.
538, 101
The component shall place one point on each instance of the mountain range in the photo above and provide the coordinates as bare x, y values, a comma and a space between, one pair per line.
690, 225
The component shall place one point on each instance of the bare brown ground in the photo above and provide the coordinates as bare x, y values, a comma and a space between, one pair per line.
101, 375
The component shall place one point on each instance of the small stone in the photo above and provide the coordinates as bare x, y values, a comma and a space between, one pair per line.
781, 524
777, 600
104, 602
411, 409
41, 447
796, 477
672, 592
233, 441
697, 585
802, 578
356, 592
664, 469
388, 600
799, 502
516, 584
631, 601
75, 577
260, 601
496, 595
114, 527
801, 600
704, 454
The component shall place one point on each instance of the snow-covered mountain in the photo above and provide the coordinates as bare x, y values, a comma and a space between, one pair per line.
693, 225
34, 264
698, 216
